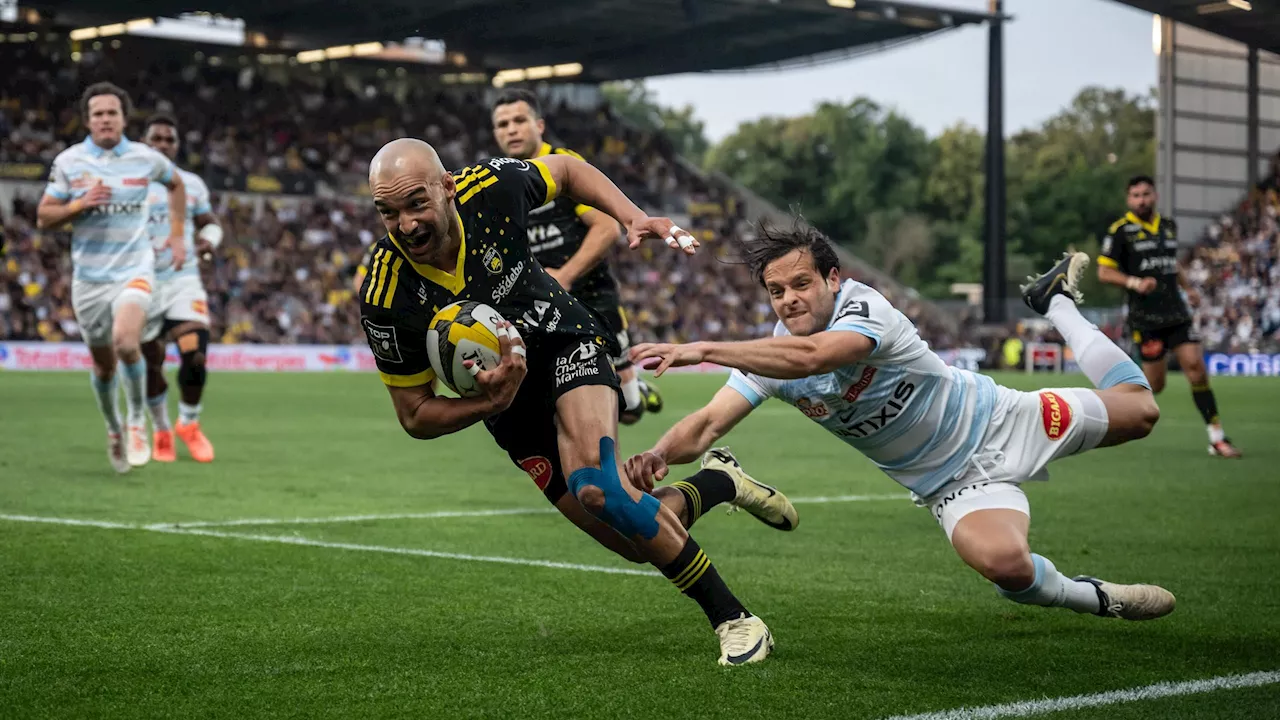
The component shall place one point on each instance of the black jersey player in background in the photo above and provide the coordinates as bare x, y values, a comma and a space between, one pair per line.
1140, 254
572, 241
552, 401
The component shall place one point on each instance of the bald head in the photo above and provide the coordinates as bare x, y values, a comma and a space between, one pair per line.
414, 195
405, 156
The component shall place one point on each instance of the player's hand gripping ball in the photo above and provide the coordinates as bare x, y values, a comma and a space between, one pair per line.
460, 332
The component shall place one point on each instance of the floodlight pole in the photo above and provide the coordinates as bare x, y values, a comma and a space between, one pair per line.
994, 280
1251, 118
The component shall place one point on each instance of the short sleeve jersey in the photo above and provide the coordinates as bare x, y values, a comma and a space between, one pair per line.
1147, 249
904, 408
158, 224
495, 266
110, 242
556, 232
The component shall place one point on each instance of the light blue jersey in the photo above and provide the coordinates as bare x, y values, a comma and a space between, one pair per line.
917, 418
109, 243
158, 225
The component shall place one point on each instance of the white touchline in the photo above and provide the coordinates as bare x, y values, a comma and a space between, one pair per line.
496, 512
295, 540
181, 524
1027, 708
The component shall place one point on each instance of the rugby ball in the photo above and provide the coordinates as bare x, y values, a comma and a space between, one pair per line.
460, 332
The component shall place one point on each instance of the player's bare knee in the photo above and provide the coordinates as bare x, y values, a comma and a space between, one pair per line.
592, 498
1008, 565
1157, 385
126, 348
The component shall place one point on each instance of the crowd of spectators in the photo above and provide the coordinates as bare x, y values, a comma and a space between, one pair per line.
1235, 272
284, 273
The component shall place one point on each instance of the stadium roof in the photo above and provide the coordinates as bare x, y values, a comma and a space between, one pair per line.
1258, 26
612, 39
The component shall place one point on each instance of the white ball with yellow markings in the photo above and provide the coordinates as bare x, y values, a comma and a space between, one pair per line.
460, 332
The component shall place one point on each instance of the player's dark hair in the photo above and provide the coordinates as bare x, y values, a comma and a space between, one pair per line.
772, 242
1138, 180
161, 119
105, 88
515, 95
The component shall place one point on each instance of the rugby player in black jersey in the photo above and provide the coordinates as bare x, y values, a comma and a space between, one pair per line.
573, 241
552, 401
1140, 254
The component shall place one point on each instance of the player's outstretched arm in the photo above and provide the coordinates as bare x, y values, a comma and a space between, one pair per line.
426, 416
587, 185
688, 439
784, 358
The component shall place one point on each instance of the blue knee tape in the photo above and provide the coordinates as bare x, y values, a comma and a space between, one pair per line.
1125, 372
623, 514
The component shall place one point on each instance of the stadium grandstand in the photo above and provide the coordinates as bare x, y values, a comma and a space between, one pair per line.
280, 117
283, 142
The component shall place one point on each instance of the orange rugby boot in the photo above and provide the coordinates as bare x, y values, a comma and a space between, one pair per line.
199, 446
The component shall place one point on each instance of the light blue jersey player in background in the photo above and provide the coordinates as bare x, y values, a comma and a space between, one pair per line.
100, 187
962, 444
180, 308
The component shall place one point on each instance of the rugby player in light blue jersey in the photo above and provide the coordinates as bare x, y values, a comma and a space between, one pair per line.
100, 187
180, 308
959, 442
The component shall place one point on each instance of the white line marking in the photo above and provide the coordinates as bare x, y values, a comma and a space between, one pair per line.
295, 540
846, 498
352, 518
71, 521
1028, 708
496, 512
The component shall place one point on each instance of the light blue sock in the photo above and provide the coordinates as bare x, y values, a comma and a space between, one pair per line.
105, 392
1053, 589
135, 391
1100, 360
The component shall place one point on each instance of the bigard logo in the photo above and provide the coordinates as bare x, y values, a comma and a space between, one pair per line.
539, 469
1057, 415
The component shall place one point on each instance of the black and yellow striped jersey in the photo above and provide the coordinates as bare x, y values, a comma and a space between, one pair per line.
556, 232
494, 266
1147, 249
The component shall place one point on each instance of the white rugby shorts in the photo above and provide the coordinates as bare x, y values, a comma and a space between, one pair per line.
1028, 430
180, 299
95, 304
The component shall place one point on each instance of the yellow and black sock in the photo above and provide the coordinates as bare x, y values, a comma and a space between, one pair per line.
1205, 403
704, 491
693, 574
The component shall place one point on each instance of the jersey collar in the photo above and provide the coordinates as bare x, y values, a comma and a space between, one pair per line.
120, 148
451, 282
543, 150
1153, 227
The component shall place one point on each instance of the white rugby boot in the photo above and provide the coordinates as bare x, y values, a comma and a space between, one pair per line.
766, 503
1131, 602
116, 454
744, 640
137, 446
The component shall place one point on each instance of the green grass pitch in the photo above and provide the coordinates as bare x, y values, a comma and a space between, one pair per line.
873, 614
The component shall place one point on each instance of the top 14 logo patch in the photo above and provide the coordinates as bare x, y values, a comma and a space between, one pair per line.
1056, 414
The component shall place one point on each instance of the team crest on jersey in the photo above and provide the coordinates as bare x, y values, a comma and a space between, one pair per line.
812, 409
868, 374
493, 261
539, 469
1056, 413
